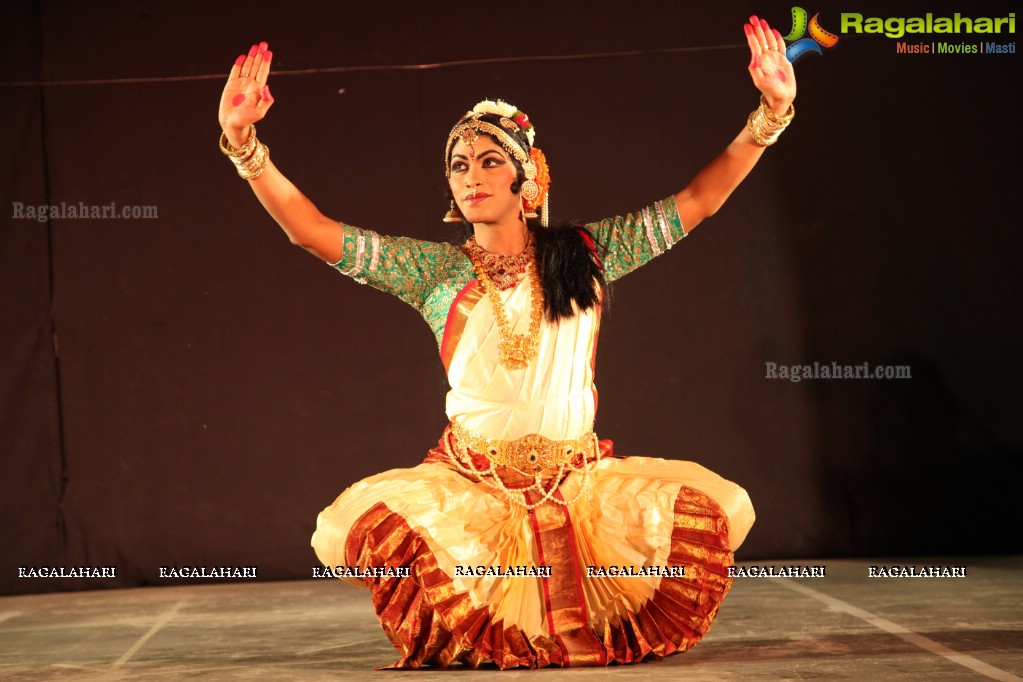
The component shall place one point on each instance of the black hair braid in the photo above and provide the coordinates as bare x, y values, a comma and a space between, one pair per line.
570, 269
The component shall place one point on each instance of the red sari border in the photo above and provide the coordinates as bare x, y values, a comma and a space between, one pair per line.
432, 624
458, 313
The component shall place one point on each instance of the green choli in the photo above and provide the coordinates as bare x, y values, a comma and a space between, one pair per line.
428, 275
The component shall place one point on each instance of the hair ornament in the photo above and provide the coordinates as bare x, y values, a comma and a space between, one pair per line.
508, 111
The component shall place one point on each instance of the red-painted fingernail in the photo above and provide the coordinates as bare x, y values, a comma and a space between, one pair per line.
753, 20
777, 34
267, 55
253, 50
240, 60
763, 25
238, 99
263, 45
748, 29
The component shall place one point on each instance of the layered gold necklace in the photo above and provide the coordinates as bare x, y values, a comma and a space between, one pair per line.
496, 273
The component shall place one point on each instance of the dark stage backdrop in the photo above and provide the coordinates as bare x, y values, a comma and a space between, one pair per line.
191, 389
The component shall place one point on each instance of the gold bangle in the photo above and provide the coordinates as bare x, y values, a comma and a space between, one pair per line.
245, 150
765, 126
251, 158
783, 119
253, 167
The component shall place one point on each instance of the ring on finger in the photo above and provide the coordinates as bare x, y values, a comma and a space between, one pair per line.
244, 75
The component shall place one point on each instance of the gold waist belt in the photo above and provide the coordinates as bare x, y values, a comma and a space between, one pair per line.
529, 454
534, 456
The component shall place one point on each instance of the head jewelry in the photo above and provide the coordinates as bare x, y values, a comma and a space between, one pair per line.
535, 189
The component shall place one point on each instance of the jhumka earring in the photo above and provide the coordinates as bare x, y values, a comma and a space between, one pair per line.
526, 213
452, 216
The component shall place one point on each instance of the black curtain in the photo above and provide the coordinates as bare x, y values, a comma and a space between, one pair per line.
189, 389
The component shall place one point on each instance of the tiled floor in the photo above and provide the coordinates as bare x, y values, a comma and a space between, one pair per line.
844, 626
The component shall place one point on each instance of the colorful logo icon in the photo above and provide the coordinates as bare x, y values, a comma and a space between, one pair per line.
799, 45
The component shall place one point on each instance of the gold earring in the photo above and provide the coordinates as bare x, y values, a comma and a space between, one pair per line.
452, 216
525, 213
530, 190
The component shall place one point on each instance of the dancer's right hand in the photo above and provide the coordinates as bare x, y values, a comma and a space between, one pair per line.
246, 97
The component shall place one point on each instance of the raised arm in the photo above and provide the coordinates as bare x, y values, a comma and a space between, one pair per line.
246, 100
773, 75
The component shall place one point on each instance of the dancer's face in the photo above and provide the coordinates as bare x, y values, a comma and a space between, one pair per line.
487, 167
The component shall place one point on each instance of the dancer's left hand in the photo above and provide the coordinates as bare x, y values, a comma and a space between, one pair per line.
771, 71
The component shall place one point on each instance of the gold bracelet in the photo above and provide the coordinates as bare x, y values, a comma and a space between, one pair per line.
765, 126
783, 119
245, 150
253, 167
251, 158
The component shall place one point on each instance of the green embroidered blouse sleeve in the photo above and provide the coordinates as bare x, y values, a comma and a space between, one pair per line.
634, 239
410, 269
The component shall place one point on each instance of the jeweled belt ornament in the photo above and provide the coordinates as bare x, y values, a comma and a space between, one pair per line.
533, 456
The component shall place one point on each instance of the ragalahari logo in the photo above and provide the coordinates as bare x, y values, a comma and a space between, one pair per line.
799, 45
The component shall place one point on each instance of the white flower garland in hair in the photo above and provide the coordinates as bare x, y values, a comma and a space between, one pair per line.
501, 108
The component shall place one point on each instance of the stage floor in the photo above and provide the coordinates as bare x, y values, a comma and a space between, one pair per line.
844, 626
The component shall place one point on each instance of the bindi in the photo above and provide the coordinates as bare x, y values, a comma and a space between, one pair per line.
781, 76
238, 99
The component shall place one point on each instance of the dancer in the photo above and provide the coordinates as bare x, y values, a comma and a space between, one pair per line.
522, 538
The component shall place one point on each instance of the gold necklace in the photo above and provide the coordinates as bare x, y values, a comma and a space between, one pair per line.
504, 271
516, 350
